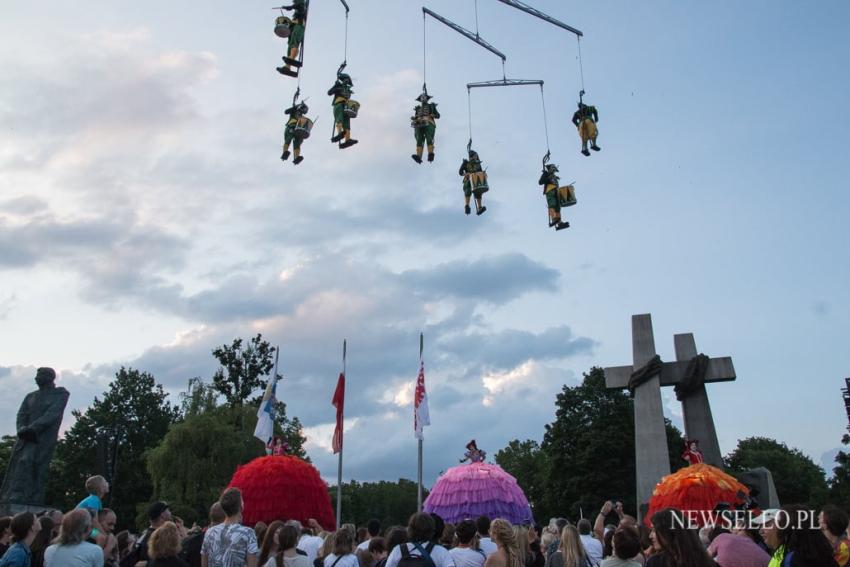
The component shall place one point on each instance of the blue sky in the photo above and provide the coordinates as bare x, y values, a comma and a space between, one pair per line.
145, 217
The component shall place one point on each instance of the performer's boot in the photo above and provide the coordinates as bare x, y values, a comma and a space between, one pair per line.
584, 149
285, 155
291, 61
479, 208
340, 133
593, 146
430, 152
298, 157
417, 157
349, 141
466, 208
287, 71
562, 225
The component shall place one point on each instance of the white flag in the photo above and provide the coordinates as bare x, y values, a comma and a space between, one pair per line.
265, 413
421, 418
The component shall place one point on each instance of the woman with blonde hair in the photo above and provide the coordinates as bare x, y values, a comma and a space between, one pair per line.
570, 552
521, 536
163, 547
507, 552
326, 549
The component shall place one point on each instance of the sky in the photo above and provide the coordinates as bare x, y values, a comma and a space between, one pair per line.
146, 218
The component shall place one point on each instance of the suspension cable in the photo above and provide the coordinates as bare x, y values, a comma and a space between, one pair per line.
345, 57
469, 110
580, 65
545, 121
424, 49
476, 18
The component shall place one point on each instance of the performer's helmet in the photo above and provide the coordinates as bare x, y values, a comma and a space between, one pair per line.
473, 154
581, 104
424, 97
303, 108
552, 167
344, 77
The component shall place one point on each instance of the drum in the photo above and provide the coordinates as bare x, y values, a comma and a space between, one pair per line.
302, 128
567, 196
481, 185
282, 26
351, 108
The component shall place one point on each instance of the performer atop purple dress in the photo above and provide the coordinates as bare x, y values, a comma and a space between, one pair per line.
478, 489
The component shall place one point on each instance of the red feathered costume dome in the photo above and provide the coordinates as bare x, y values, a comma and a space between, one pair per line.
698, 487
283, 488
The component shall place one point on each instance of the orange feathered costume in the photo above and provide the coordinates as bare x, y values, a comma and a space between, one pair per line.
698, 487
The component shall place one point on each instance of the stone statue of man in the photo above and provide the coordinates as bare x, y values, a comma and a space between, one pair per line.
38, 428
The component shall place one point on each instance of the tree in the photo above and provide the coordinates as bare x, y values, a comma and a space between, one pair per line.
797, 478
588, 451
199, 455
839, 484
7, 444
242, 369
390, 502
110, 438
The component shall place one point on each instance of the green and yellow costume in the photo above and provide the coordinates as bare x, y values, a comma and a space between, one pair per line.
296, 36
290, 136
585, 119
556, 197
341, 92
424, 125
474, 182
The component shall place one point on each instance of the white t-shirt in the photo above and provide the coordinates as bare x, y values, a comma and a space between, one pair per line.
310, 545
365, 545
487, 546
297, 561
467, 557
439, 554
348, 560
83, 554
593, 548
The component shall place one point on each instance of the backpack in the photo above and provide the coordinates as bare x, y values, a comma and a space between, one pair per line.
421, 560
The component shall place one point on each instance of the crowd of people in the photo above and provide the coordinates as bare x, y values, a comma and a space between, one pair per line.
85, 537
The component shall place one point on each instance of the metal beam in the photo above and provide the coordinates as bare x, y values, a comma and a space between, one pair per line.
466, 33
537, 13
345, 4
504, 83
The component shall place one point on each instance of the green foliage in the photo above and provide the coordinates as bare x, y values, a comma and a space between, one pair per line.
588, 452
797, 478
839, 484
110, 438
242, 369
390, 502
199, 455
7, 444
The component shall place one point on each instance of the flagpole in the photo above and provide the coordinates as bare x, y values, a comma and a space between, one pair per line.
419, 472
339, 466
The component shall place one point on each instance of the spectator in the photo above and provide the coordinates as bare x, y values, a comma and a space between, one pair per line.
420, 535
72, 549
158, 513
485, 544
164, 547
730, 550
326, 550
536, 557
5, 534
803, 544
743, 528
447, 539
41, 541
24, 527
377, 551
124, 543
56, 516
625, 544
361, 535
608, 542
230, 544
373, 528
260, 531
97, 488
310, 542
463, 554
106, 539
271, 543
190, 551
521, 537
288, 555
343, 551
395, 537
833, 523
507, 553
439, 528
592, 546
675, 545
570, 552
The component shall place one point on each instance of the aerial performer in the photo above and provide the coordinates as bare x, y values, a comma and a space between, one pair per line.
344, 108
296, 36
474, 181
277, 447
478, 489
585, 119
424, 125
556, 197
297, 129
473, 453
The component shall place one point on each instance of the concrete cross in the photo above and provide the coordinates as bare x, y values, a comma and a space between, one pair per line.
651, 456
